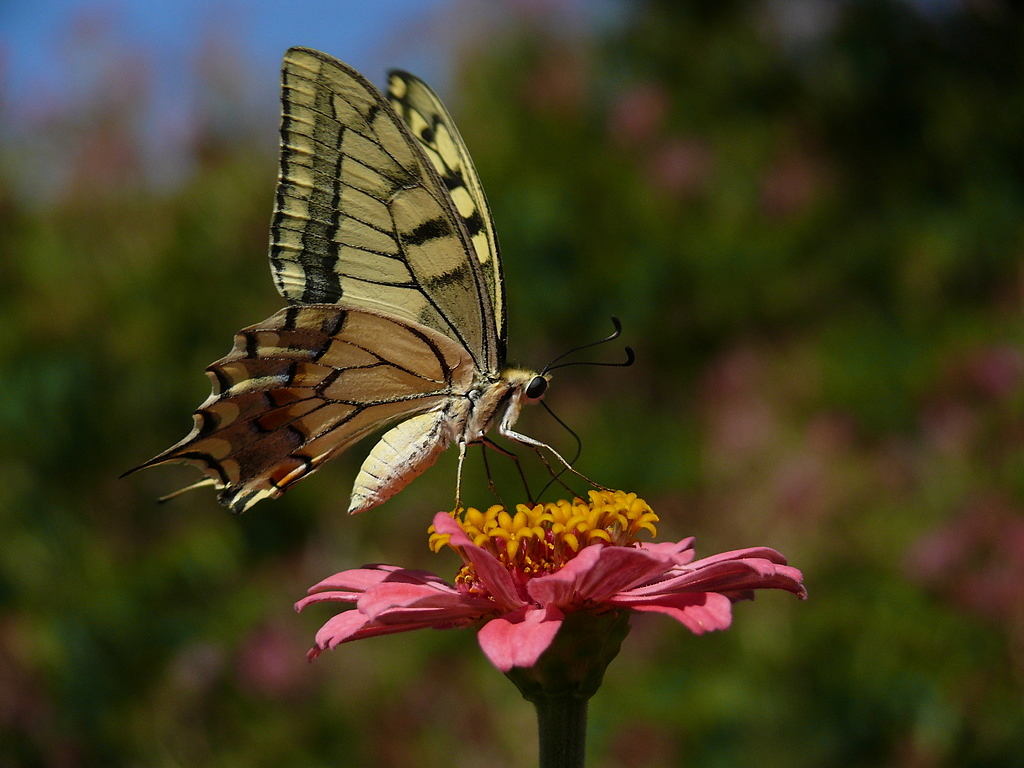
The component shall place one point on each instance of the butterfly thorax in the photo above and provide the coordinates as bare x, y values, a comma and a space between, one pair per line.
462, 418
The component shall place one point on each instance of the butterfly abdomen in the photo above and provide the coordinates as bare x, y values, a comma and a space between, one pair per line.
401, 455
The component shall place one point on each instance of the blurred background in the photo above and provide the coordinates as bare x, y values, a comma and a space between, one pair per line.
809, 217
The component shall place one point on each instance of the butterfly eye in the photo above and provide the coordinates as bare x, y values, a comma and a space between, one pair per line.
537, 387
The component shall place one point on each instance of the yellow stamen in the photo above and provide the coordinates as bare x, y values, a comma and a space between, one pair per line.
542, 538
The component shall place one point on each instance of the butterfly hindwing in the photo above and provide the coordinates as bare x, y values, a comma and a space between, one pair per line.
306, 384
362, 217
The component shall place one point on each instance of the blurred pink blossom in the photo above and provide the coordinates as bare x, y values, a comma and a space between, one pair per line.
790, 184
950, 427
682, 166
558, 85
977, 559
997, 371
638, 115
263, 665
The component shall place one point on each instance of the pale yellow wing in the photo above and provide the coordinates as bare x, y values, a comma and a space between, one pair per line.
362, 217
434, 128
306, 384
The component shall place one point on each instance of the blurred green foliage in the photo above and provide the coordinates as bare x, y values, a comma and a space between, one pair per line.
813, 233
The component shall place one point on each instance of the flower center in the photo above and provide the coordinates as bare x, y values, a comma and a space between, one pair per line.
542, 538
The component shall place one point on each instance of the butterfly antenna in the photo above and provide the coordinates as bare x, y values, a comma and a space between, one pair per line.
630, 357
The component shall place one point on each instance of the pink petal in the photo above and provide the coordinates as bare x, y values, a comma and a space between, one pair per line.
396, 603
492, 574
363, 578
519, 638
339, 628
681, 551
352, 625
620, 568
597, 573
699, 612
348, 586
388, 595
716, 575
763, 553
445, 523
561, 587
325, 597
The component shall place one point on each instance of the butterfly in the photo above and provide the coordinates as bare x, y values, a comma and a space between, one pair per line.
383, 244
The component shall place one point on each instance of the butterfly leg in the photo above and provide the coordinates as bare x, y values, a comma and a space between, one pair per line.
486, 442
556, 477
490, 480
458, 476
539, 449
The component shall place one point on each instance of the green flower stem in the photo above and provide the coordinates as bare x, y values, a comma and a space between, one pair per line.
562, 727
564, 678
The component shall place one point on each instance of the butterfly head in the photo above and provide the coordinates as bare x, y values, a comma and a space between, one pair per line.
537, 387
529, 385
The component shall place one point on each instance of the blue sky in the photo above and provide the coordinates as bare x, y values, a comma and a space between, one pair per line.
59, 57
74, 57
371, 35
375, 35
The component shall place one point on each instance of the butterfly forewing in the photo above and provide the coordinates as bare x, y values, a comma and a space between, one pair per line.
362, 217
433, 127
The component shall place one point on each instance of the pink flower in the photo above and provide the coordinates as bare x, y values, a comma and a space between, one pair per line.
524, 573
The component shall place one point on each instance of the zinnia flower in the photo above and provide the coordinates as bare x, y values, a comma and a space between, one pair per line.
527, 575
